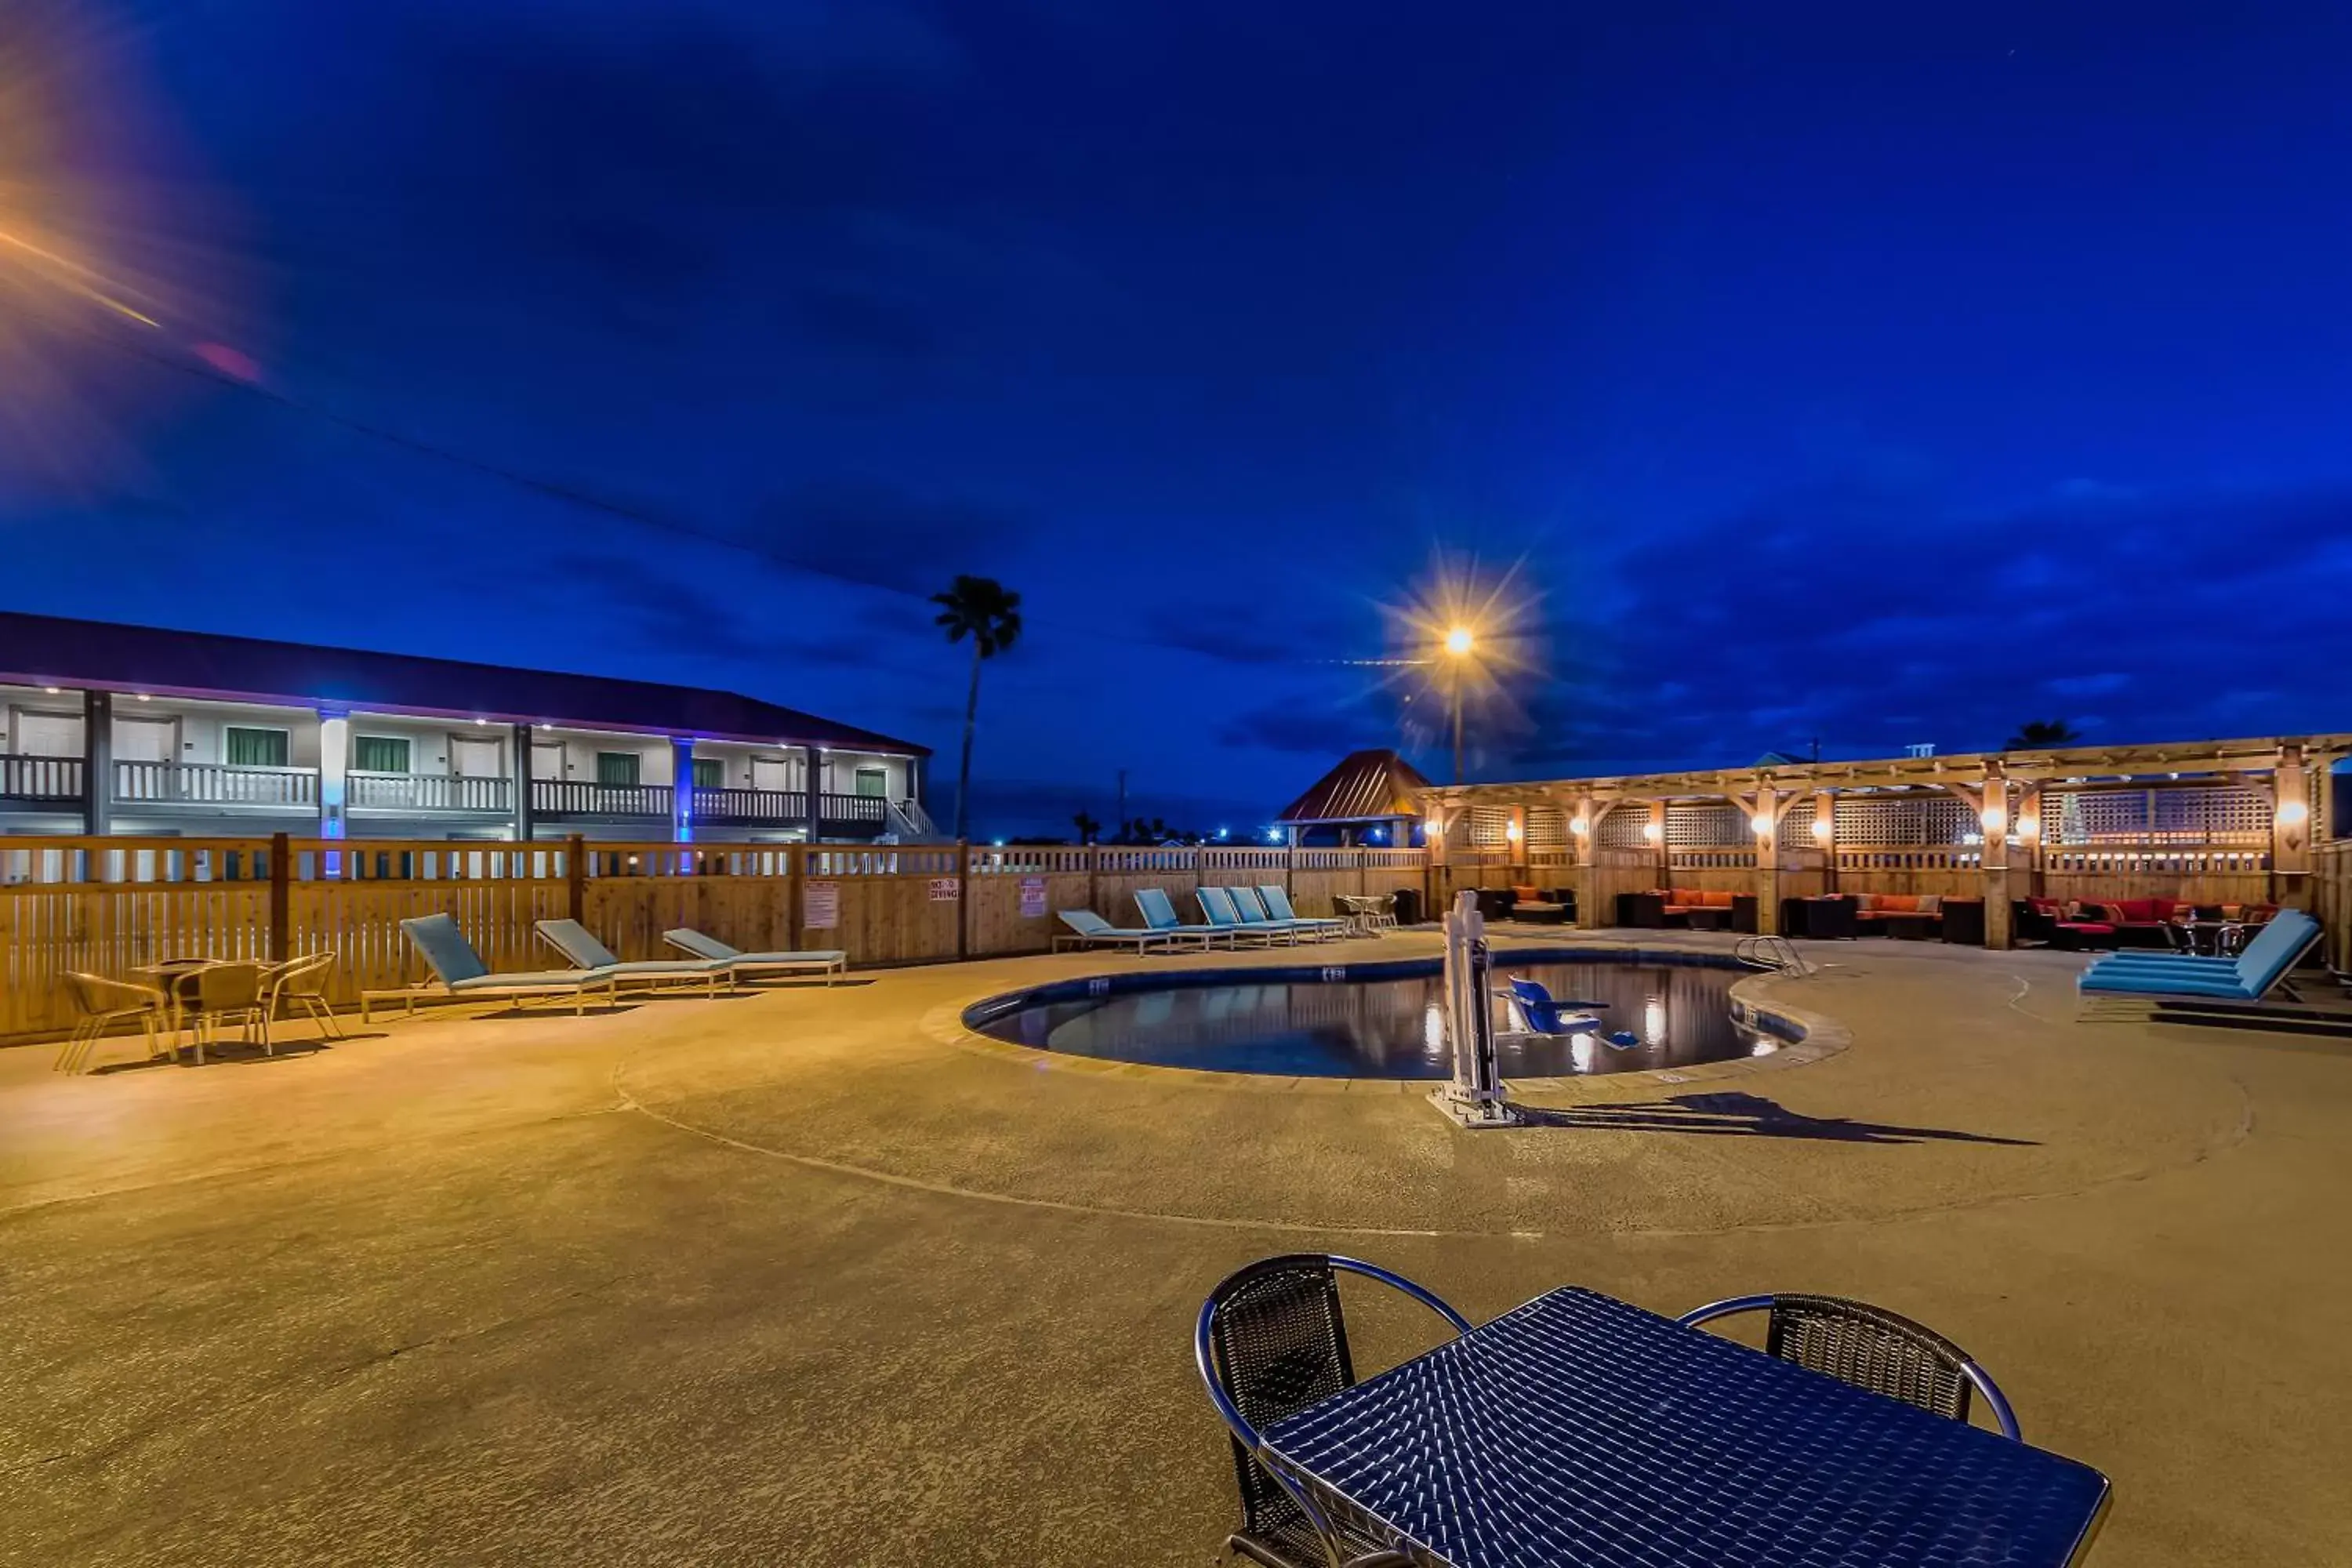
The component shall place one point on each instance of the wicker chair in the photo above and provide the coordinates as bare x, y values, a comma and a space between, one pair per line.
1871, 1348
225, 992
295, 985
1271, 1340
102, 1004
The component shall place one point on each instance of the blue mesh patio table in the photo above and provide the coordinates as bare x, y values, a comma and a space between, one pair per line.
1580, 1431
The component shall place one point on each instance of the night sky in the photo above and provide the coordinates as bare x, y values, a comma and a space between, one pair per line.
1871, 374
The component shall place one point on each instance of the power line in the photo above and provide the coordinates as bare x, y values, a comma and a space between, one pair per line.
620, 511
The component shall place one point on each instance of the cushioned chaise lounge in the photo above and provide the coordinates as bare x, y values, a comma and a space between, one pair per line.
576, 942
2134, 980
1088, 928
1256, 913
1277, 904
1217, 907
1160, 915
459, 974
830, 962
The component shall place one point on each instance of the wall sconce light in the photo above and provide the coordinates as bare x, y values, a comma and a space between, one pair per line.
1434, 828
1995, 818
1511, 831
1579, 828
1821, 830
2293, 813
1653, 832
1762, 824
2028, 827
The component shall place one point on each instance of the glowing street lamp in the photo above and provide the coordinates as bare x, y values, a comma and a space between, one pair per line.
1459, 642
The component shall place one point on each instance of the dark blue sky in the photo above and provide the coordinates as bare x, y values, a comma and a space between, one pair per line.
1873, 373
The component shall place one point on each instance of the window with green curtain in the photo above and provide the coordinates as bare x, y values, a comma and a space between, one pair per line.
873, 783
709, 773
380, 754
618, 768
253, 748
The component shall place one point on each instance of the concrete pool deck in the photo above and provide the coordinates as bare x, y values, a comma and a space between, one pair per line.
804, 1275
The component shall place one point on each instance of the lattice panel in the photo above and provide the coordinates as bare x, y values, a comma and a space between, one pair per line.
1879, 821
2205, 813
1700, 824
1490, 826
1621, 829
1547, 827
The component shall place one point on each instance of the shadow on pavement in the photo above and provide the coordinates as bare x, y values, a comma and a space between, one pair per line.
1733, 1115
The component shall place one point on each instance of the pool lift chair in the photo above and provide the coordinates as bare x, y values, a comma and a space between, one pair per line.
1535, 1014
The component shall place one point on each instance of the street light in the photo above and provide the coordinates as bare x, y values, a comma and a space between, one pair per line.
1458, 644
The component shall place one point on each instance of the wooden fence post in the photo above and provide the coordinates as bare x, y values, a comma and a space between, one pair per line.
281, 875
575, 877
1094, 878
963, 901
796, 893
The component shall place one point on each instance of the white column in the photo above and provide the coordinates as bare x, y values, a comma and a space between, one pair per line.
681, 789
334, 767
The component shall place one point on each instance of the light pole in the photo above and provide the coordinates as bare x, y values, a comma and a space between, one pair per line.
1458, 644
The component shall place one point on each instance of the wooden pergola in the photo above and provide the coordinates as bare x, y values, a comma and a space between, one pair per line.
2236, 821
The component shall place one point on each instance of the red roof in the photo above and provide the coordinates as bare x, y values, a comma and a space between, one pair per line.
1365, 786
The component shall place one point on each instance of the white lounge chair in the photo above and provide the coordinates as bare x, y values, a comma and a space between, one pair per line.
576, 942
460, 975
1088, 928
830, 962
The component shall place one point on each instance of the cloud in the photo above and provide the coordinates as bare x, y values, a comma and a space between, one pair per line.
873, 532
1868, 604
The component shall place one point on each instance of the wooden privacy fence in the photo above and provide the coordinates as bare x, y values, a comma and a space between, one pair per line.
2331, 897
109, 905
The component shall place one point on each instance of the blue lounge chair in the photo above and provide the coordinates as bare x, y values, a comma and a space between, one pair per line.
1160, 915
2122, 980
576, 942
460, 975
1254, 912
1533, 1003
1217, 905
1277, 904
829, 962
1088, 928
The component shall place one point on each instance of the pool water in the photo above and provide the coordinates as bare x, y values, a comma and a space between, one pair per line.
1299, 1024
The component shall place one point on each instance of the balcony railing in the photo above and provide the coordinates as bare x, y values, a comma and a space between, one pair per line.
214, 783
429, 792
574, 797
862, 811
40, 778
749, 805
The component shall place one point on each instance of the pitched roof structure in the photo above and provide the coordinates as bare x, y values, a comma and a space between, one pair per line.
38, 650
1366, 787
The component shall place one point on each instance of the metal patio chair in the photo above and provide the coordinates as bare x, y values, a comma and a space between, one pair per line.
297, 984
102, 1004
1271, 1340
1871, 1349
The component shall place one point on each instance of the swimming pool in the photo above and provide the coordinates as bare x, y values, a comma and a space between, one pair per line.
1379, 1020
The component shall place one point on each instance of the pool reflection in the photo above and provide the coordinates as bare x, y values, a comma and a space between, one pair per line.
1388, 1028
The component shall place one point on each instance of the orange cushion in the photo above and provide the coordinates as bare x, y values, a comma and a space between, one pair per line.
1716, 901
1526, 895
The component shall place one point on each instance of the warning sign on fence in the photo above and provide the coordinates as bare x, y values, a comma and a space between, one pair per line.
944, 889
1033, 898
820, 906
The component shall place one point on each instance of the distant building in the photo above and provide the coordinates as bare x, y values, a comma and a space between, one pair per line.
117, 729
1367, 799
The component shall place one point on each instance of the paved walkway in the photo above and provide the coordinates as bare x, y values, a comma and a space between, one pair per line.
800, 1276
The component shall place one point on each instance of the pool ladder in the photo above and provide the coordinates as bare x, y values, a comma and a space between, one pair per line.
1772, 953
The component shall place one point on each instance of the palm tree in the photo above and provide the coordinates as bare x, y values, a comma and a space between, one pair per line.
2039, 735
984, 610
1088, 826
